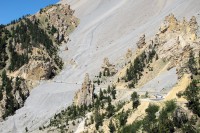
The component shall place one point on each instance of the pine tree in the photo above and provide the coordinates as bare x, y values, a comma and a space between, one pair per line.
1, 94
156, 56
109, 90
192, 64
192, 95
98, 82
110, 110
113, 92
111, 127
4, 78
26, 129
101, 96
100, 74
108, 72
122, 118
98, 119
135, 100
146, 94
151, 110
104, 72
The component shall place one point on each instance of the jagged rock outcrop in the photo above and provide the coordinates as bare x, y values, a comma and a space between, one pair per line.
39, 71
176, 39
86, 93
156, 40
141, 42
59, 16
107, 68
187, 29
129, 53
39, 67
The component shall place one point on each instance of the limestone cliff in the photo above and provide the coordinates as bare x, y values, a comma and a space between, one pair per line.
85, 94
176, 39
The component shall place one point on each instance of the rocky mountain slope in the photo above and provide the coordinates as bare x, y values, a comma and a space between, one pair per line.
29, 49
107, 29
108, 111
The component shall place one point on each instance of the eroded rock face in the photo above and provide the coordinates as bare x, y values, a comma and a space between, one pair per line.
107, 68
157, 40
141, 42
39, 71
86, 93
187, 29
61, 17
41, 65
106, 62
170, 24
193, 25
129, 53
176, 39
